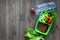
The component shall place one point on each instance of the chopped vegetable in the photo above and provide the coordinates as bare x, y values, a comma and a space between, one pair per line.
49, 15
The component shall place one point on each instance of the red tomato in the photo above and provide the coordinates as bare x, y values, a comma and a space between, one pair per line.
49, 15
49, 21
48, 18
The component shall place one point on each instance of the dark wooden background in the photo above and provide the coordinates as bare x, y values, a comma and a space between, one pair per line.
15, 17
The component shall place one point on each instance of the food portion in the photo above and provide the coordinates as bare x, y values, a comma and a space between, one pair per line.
42, 27
48, 18
45, 17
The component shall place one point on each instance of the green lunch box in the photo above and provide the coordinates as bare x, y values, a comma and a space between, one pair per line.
44, 22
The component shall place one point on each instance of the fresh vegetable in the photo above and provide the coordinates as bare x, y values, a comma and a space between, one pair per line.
48, 20
49, 15
30, 34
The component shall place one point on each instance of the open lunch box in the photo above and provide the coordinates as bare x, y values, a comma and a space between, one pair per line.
44, 21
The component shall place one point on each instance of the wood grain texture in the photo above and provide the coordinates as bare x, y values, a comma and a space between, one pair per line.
15, 16
2, 19
12, 22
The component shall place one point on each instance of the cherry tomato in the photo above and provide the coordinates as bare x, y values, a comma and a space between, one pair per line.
49, 15
48, 18
49, 21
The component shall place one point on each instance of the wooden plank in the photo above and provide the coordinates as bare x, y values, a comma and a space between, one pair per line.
12, 20
2, 19
22, 18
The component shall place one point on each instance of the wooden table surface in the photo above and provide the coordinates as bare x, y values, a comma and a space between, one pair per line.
15, 17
